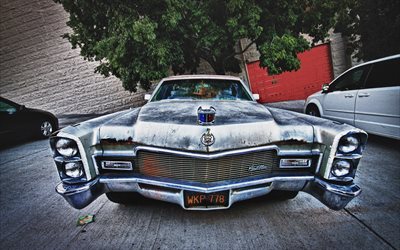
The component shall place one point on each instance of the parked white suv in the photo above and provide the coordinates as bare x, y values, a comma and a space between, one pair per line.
366, 96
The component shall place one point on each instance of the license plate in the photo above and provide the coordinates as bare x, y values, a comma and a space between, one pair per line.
217, 199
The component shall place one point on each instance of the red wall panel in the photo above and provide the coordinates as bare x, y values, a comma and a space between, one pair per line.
316, 69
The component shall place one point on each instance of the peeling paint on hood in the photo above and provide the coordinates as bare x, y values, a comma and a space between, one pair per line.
173, 124
185, 112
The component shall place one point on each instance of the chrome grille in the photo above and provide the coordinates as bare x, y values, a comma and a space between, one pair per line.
204, 170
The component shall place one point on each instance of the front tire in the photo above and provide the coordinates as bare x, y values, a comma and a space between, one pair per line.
313, 111
123, 197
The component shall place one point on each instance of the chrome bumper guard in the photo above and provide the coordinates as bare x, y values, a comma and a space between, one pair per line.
332, 195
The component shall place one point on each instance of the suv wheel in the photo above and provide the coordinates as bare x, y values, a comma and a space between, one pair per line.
313, 111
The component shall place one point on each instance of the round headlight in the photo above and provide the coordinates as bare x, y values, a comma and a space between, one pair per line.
66, 147
348, 144
73, 169
341, 168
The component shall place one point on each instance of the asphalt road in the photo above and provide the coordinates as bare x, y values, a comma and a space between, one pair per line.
33, 216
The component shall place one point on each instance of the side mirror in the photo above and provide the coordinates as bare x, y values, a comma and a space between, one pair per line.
256, 97
147, 97
325, 88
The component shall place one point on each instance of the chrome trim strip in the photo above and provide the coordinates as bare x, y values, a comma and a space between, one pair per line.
348, 157
338, 189
208, 156
339, 110
128, 153
203, 188
332, 195
205, 155
94, 154
376, 114
321, 156
95, 163
119, 169
307, 166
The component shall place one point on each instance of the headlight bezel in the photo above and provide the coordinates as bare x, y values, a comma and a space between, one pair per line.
352, 155
63, 161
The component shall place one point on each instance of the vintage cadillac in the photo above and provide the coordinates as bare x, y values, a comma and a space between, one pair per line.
203, 142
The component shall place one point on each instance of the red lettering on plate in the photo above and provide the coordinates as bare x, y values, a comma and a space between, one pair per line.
190, 200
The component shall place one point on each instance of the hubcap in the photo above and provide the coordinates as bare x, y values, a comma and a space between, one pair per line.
46, 128
312, 112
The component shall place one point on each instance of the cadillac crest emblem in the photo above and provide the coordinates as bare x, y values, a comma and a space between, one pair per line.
206, 115
207, 138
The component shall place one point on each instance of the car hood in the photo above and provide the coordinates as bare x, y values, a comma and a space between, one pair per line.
173, 125
185, 112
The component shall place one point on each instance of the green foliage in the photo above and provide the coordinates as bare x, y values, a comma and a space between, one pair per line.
372, 27
143, 40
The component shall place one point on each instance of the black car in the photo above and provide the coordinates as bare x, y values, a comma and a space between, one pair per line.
19, 122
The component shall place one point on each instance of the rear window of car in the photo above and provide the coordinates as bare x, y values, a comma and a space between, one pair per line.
384, 74
195, 89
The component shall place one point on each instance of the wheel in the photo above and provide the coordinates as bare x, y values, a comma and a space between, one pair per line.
46, 128
123, 197
313, 111
282, 195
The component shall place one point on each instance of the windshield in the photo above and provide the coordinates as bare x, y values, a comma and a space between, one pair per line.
203, 89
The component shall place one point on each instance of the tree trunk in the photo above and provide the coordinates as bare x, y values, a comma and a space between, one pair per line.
218, 67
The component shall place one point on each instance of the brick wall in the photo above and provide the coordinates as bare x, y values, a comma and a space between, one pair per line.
340, 61
39, 69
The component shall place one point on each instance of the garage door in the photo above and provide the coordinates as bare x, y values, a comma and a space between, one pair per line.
316, 69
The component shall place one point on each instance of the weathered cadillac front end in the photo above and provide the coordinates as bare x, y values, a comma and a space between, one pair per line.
204, 143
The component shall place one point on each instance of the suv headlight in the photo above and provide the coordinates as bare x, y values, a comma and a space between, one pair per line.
66, 147
348, 144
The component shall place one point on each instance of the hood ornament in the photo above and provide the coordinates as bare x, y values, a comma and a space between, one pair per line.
207, 138
206, 115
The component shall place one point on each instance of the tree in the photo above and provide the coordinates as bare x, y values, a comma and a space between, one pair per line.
372, 27
141, 41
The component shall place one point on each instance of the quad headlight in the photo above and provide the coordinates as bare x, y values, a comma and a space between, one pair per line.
68, 160
66, 147
341, 168
74, 169
348, 144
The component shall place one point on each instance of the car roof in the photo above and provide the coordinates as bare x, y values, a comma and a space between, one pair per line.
378, 60
367, 63
185, 77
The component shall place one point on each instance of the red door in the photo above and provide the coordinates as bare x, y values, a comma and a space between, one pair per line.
316, 69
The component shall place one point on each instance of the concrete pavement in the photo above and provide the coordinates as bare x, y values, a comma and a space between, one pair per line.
33, 216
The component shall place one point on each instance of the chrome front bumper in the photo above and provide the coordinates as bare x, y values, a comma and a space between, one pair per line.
332, 195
